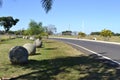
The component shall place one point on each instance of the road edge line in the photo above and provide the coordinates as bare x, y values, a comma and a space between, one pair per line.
95, 53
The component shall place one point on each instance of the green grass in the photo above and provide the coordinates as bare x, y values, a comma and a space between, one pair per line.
4, 37
54, 61
111, 39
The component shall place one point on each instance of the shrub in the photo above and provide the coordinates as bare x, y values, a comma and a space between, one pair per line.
38, 37
32, 38
81, 34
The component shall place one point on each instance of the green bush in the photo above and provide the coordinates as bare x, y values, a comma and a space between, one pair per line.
38, 37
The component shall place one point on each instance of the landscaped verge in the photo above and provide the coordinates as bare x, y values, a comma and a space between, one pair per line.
54, 61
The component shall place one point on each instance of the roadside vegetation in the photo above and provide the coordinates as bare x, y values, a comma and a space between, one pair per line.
54, 61
103, 35
91, 37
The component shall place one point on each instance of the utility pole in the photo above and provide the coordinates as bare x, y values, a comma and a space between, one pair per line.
69, 27
83, 26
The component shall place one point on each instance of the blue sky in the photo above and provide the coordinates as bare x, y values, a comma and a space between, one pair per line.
76, 15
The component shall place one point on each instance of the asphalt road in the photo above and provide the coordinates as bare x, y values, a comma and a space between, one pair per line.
109, 50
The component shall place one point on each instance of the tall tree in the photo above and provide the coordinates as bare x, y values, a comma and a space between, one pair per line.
35, 28
8, 22
46, 4
50, 29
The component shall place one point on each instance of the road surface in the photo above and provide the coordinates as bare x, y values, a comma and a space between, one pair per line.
108, 50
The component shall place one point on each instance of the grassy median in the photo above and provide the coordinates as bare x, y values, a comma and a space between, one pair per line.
54, 61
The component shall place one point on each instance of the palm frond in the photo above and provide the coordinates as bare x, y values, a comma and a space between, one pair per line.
1, 3
47, 5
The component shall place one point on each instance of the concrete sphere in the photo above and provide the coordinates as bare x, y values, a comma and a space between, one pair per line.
32, 38
23, 37
18, 55
31, 48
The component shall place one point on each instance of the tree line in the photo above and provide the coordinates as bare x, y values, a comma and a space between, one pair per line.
35, 28
98, 33
106, 33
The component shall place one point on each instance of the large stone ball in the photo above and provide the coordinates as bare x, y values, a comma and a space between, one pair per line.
31, 48
38, 43
23, 37
18, 55
26, 37
32, 38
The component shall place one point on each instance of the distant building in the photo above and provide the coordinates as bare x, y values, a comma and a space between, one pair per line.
67, 33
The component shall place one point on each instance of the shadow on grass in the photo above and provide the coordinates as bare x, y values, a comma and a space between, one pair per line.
49, 42
49, 69
54, 48
35, 54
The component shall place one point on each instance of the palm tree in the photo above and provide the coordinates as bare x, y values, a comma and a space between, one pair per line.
46, 4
